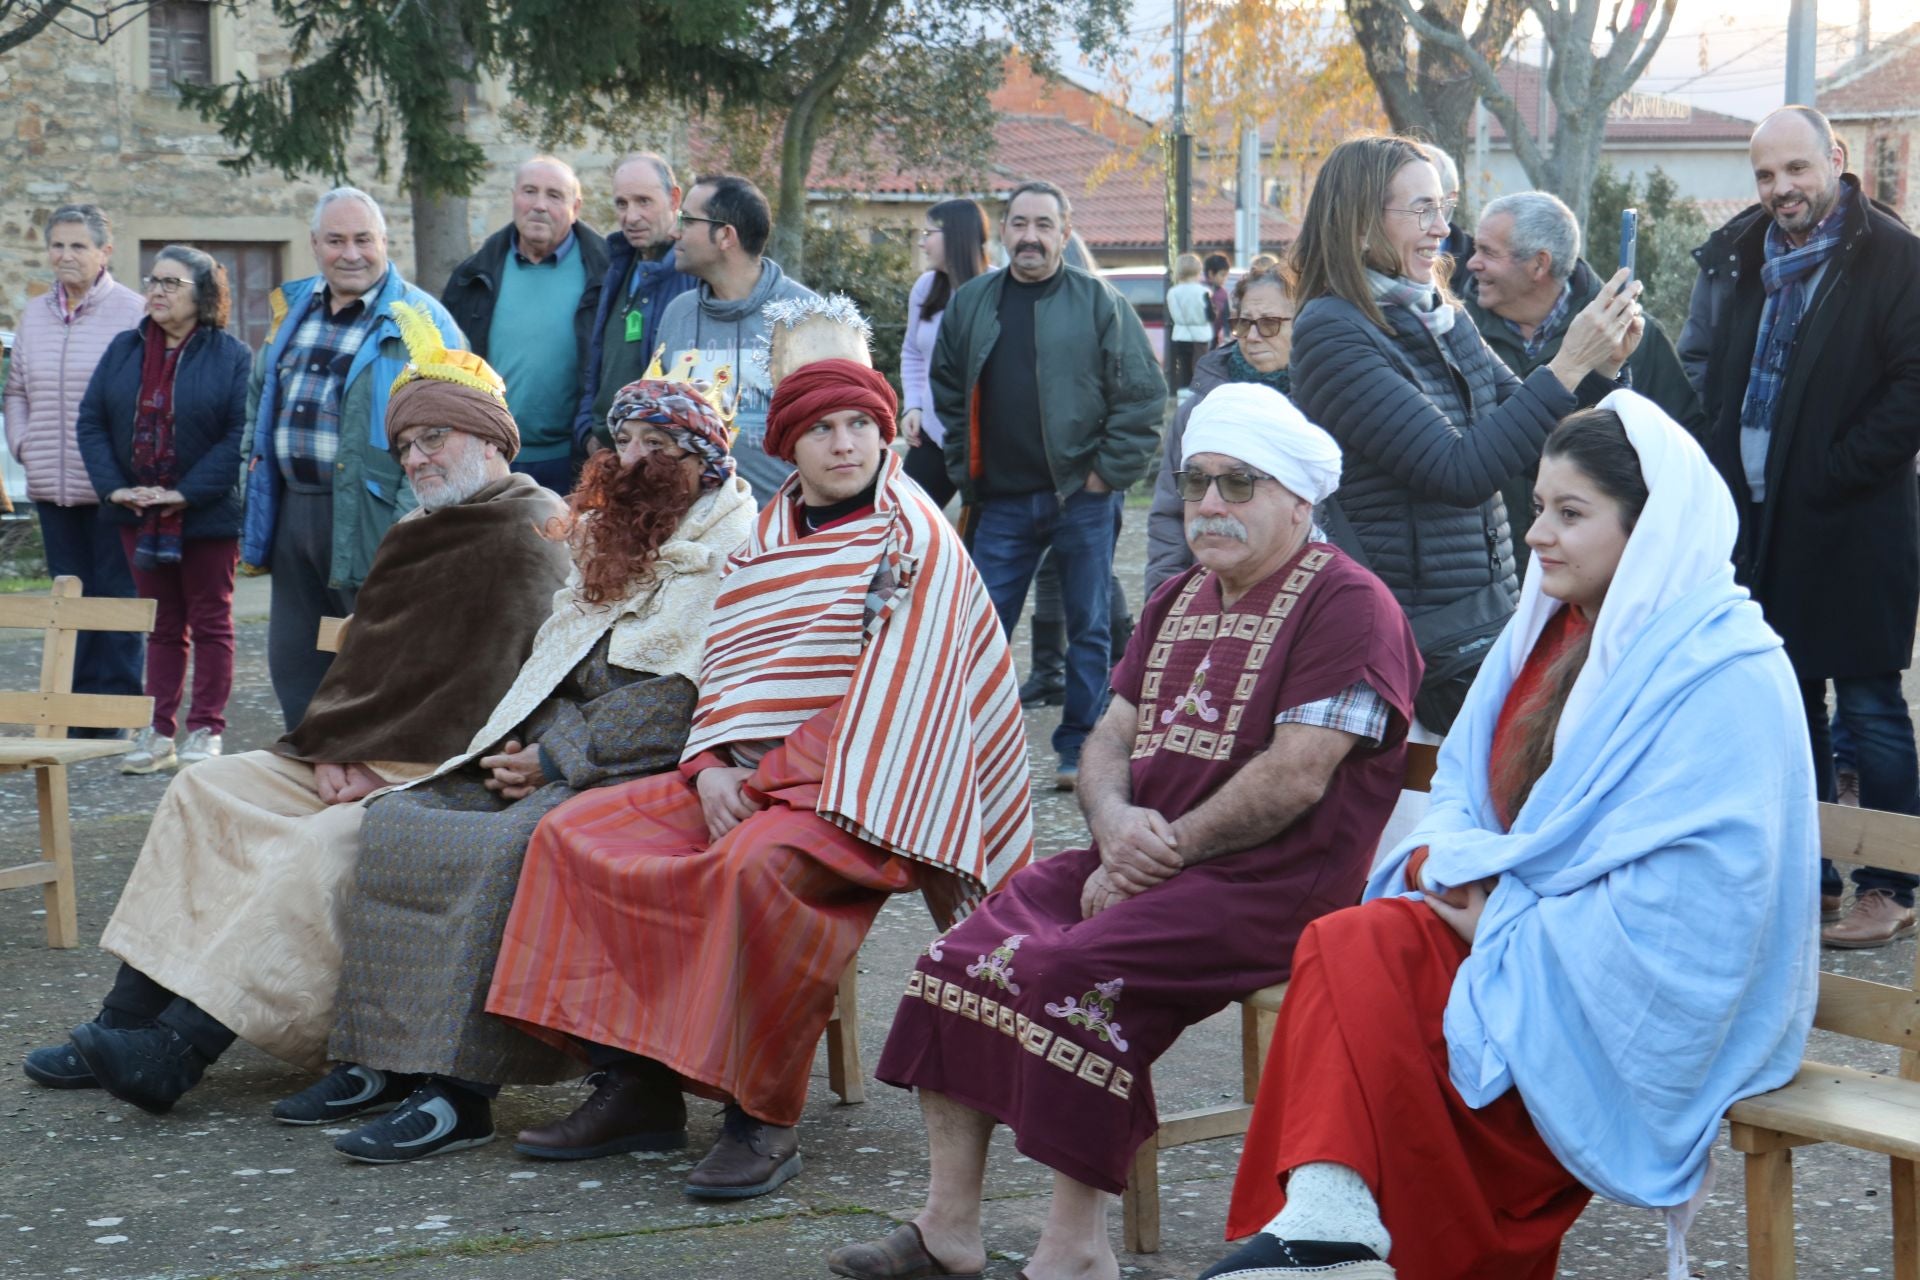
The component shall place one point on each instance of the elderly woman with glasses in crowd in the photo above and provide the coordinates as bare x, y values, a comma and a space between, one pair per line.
1430, 421
159, 430
1262, 345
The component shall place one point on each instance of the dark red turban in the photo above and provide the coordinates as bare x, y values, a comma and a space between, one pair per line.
815, 390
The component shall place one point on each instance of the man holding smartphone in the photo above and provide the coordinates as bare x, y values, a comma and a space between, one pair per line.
1803, 338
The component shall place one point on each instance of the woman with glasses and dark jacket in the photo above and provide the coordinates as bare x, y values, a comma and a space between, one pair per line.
159, 429
1431, 422
1262, 329
954, 244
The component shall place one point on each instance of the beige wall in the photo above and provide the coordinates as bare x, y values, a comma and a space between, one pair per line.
78, 122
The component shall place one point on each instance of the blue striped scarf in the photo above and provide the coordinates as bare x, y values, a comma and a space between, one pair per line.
1784, 274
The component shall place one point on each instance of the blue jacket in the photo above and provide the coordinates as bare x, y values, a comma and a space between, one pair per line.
660, 283
209, 419
370, 490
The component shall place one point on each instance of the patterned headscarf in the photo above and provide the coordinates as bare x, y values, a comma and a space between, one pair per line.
684, 412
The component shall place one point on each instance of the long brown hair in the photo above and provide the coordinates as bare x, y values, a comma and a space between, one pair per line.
1595, 441
1345, 232
963, 242
619, 517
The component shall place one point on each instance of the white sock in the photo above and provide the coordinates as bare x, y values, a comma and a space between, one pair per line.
1330, 1202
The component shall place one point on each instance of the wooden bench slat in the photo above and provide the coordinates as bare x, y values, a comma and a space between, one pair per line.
79, 613
1870, 836
29, 873
21, 753
1860, 1109
1868, 1011
76, 710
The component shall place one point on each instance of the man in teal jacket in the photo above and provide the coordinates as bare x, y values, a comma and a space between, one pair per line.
322, 486
1054, 404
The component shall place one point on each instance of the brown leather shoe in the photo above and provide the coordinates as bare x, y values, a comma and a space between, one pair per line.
636, 1106
750, 1159
1875, 920
1830, 904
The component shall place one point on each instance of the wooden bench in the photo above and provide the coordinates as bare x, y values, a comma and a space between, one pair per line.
1866, 1110
844, 1075
1140, 1204
53, 709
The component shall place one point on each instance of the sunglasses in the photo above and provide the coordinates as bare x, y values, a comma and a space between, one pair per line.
1269, 326
1235, 486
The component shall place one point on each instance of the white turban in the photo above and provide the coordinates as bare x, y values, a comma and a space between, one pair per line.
1260, 427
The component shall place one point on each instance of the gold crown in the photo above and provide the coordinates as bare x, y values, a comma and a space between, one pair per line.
713, 390
428, 356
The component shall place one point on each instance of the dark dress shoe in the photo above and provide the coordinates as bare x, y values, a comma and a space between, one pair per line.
151, 1067
750, 1159
58, 1066
636, 1106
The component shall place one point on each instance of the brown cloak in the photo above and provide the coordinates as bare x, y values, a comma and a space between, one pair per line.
440, 629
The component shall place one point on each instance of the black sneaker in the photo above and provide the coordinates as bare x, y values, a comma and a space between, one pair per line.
151, 1067
58, 1066
348, 1090
435, 1118
1266, 1257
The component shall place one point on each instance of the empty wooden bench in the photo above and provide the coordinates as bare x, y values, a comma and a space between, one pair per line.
844, 1076
1140, 1204
1866, 1110
53, 709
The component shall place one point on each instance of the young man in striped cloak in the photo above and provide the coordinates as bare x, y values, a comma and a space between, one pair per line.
858, 734
1235, 789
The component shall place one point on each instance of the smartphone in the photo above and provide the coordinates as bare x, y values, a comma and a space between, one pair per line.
1629, 240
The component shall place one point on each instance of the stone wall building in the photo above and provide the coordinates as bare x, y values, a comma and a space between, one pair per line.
1874, 103
81, 121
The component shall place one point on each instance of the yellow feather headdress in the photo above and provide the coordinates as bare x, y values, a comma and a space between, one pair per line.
428, 356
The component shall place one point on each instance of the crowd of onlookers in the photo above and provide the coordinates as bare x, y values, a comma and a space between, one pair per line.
749, 680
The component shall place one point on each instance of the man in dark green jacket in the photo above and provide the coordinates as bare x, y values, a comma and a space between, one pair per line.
1527, 283
1054, 404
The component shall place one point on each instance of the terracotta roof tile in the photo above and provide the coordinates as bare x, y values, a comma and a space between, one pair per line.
1885, 81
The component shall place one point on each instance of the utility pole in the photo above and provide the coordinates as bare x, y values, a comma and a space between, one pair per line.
1180, 207
1803, 34
1246, 239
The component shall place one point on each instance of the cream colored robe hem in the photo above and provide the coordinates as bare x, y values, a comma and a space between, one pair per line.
235, 901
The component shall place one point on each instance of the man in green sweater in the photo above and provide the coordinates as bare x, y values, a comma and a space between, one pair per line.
526, 301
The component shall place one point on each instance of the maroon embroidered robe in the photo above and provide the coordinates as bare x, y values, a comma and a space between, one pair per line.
1049, 1022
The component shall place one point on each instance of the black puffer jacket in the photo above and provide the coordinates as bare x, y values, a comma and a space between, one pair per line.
1429, 432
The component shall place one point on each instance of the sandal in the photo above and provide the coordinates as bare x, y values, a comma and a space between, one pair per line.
902, 1255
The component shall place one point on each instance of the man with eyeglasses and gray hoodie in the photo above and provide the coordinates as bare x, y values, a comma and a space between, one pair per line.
723, 227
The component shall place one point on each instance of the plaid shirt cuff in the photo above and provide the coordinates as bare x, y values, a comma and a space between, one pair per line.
1357, 709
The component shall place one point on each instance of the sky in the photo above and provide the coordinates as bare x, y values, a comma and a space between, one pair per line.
1721, 55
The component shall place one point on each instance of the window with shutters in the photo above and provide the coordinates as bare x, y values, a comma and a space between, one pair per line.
179, 44
1889, 169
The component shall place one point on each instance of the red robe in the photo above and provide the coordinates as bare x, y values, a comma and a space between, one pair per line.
1358, 1076
1049, 1022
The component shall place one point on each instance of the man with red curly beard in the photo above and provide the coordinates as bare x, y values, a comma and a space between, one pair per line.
858, 735
606, 696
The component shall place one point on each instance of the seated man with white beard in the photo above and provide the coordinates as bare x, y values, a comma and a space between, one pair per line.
1235, 789
229, 925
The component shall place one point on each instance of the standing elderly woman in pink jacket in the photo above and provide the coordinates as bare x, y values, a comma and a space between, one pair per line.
62, 337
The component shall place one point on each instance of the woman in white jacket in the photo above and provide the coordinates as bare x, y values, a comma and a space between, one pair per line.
955, 246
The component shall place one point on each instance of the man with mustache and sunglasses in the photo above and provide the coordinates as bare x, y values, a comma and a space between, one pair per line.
1235, 788
1803, 338
1062, 400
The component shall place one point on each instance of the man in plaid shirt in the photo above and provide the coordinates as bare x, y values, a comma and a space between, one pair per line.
322, 487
